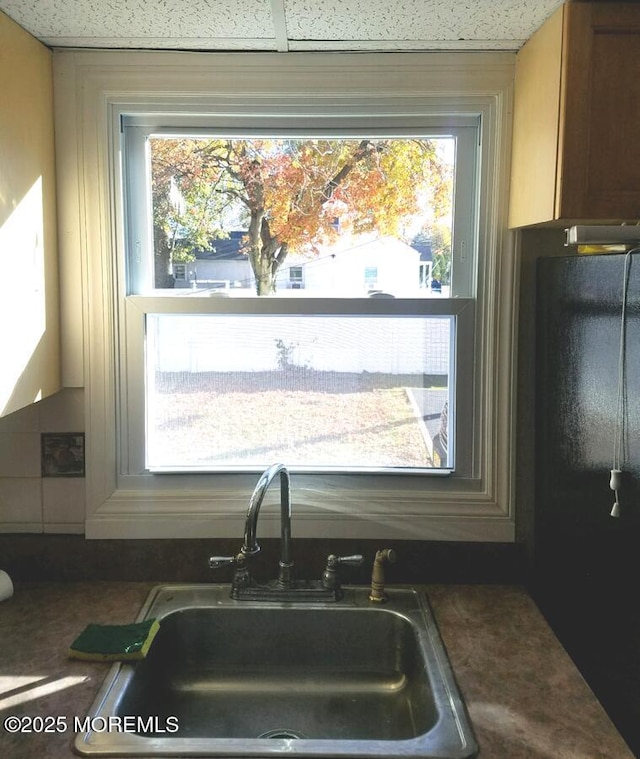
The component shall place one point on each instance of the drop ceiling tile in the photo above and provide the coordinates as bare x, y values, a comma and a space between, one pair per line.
143, 19
282, 24
415, 19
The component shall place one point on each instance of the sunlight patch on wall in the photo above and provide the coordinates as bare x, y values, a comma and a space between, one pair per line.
22, 288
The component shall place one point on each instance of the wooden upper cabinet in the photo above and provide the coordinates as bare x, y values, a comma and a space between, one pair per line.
29, 304
576, 129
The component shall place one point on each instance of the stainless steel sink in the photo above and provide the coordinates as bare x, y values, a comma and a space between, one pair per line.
254, 679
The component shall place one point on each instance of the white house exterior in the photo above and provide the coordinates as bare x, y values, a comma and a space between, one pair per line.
354, 268
379, 263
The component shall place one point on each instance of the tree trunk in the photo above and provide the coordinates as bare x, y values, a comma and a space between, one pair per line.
266, 253
163, 279
265, 281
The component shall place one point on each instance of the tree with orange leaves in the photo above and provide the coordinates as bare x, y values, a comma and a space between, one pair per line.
288, 193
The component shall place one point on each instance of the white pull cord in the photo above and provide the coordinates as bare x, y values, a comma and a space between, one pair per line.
620, 436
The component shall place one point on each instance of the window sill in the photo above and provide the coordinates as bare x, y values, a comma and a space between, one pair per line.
334, 513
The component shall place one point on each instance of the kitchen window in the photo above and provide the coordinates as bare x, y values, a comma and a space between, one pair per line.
140, 333
331, 380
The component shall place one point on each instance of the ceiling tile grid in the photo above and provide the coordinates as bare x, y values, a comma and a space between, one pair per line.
282, 24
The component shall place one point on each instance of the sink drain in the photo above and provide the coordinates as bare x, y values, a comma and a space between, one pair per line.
281, 733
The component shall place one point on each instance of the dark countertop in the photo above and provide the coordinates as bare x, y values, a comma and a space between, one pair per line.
525, 697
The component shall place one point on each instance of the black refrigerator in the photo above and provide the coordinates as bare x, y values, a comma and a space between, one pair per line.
586, 563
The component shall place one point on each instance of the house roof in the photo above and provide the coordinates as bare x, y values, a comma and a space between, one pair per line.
231, 248
424, 248
225, 248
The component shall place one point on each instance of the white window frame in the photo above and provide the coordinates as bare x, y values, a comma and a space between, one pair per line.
370, 281
425, 273
92, 90
183, 271
298, 279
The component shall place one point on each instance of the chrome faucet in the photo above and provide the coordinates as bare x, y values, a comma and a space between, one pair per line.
284, 588
250, 546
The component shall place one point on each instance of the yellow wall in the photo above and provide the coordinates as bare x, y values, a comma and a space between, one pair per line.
29, 311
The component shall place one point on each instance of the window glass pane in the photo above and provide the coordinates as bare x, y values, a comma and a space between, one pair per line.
342, 216
316, 391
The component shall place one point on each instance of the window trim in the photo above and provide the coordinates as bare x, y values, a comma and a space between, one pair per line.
90, 88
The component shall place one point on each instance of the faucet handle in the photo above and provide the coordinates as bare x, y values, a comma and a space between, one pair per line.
216, 562
329, 578
357, 560
241, 576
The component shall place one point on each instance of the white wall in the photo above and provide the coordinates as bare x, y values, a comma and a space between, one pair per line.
343, 271
230, 271
340, 344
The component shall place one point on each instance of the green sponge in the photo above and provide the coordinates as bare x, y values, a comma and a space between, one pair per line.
115, 642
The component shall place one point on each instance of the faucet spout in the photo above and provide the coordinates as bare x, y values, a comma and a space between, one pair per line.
285, 588
250, 545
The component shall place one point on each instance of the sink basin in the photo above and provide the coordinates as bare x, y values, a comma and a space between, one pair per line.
238, 679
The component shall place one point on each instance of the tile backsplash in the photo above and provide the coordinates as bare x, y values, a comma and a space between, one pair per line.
29, 502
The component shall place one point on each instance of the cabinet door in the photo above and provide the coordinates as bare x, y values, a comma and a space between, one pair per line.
536, 115
599, 140
29, 303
